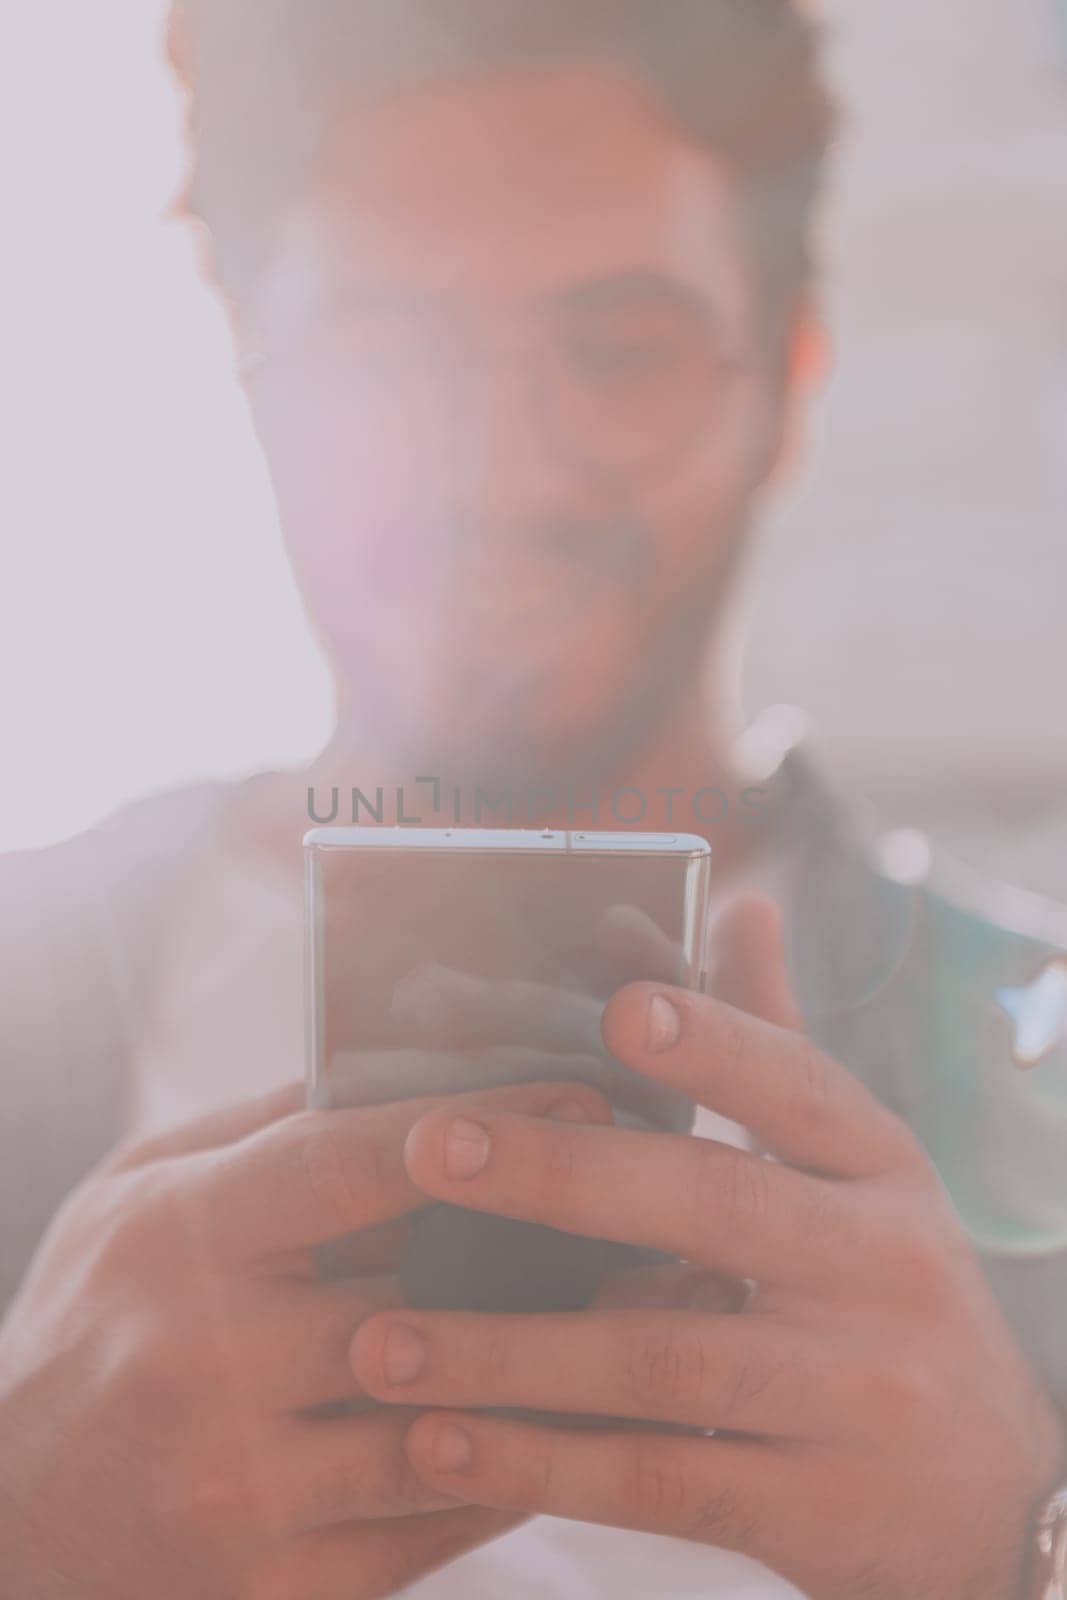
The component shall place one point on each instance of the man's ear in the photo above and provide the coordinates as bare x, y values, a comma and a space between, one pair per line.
806, 365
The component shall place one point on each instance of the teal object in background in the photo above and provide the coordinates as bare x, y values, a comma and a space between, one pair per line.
946, 993
999, 1058
967, 1040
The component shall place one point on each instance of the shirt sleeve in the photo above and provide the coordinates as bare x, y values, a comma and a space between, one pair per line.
80, 931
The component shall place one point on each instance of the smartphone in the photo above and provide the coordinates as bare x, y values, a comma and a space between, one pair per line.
440, 962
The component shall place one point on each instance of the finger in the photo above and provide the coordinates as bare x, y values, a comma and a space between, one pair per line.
387, 1556
747, 1374
324, 1174
749, 968
709, 1203
748, 964
802, 1105
678, 1287
217, 1128
726, 1493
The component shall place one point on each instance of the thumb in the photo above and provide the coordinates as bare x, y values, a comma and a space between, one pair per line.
747, 967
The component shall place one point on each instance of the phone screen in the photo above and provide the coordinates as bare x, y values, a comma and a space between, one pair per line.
439, 968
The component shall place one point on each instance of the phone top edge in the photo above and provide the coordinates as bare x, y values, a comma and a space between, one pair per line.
517, 840
622, 843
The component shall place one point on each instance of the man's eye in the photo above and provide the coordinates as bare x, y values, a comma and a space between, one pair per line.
618, 359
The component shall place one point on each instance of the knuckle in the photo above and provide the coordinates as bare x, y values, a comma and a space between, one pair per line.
708, 1185
735, 1186
157, 1361
163, 1363
173, 1230
130, 1228
822, 1217
904, 1395
734, 1039
205, 1499
657, 1492
811, 1102
140, 1375
751, 1381
922, 1275
818, 1078
542, 1476
493, 1356
208, 1503
667, 1370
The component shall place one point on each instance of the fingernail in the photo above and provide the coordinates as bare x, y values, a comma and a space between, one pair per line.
467, 1147
404, 1355
663, 1025
568, 1111
452, 1449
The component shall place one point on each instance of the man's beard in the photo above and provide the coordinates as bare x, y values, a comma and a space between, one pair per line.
506, 754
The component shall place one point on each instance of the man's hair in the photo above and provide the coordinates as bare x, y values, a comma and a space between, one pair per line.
268, 76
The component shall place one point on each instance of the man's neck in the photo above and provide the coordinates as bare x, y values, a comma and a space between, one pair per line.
685, 780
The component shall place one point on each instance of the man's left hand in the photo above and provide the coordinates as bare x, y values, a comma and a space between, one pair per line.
877, 1431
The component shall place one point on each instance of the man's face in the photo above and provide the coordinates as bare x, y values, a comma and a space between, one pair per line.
515, 414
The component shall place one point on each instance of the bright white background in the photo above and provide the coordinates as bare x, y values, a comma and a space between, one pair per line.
913, 586
140, 539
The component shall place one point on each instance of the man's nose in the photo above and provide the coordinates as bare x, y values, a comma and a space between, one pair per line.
505, 468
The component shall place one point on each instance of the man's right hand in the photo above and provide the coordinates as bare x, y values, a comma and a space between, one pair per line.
176, 1397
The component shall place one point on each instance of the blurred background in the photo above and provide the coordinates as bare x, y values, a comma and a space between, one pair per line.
913, 588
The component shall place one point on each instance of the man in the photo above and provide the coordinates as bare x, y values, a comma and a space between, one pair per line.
522, 295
